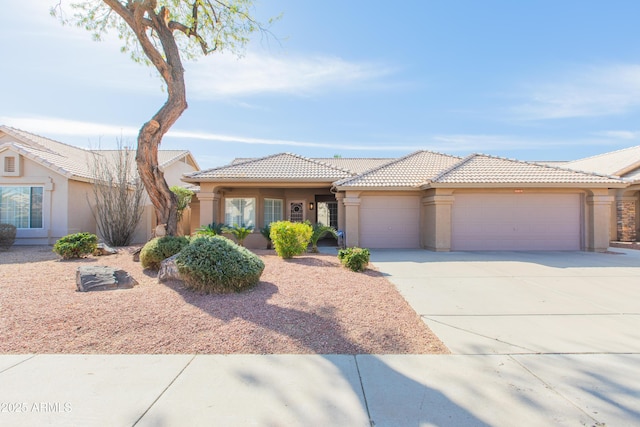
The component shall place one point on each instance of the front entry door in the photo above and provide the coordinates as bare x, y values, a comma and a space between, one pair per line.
296, 211
328, 214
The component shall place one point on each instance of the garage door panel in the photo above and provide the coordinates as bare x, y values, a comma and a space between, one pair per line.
516, 222
390, 222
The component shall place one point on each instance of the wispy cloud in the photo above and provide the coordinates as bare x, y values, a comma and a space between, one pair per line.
51, 126
587, 92
64, 127
256, 73
620, 134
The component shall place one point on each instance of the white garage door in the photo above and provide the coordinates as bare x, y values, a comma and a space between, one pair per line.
516, 222
390, 222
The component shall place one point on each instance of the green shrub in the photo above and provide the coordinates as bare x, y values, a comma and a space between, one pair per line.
355, 259
184, 196
76, 245
158, 249
290, 238
7, 236
216, 264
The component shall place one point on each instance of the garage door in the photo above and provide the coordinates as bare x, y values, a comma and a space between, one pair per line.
516, 222
390, 222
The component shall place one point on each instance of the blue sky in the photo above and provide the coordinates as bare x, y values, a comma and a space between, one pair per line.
533, 80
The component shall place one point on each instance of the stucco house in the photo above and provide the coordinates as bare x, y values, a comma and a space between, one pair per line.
625, 163
46, 186
423, 200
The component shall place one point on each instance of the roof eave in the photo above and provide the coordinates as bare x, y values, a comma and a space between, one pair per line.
526, 185
375, 188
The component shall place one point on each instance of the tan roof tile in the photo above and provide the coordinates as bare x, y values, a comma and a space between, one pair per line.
282, 166
409, 171
617, 163
70, 160
484, 169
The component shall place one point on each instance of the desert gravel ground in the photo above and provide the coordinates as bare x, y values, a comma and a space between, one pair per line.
309, 304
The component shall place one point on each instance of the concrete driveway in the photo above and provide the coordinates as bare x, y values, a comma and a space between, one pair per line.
553, 335
522, 302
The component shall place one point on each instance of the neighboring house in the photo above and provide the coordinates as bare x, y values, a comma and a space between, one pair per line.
625, 224
46, 186
423, 200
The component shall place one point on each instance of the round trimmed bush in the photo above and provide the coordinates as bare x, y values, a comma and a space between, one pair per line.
158, 249
76, 245
215, 264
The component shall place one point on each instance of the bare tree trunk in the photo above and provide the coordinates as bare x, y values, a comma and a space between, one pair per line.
163, 199
142, 17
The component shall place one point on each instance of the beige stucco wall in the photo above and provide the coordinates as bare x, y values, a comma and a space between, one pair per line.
436, 214
211, 202
81, 199
55, 220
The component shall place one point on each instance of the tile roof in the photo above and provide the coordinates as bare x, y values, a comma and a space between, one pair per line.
352, 164
282, 166
484, 169
66, 159
69, 160
408, 171
617, 163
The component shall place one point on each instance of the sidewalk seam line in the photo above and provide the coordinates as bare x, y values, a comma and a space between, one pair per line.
164, 391
364, 395
550, 387
19, 363
480, 335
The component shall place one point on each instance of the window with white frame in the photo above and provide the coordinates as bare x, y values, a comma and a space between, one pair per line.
240, 211
21, 206
272, 210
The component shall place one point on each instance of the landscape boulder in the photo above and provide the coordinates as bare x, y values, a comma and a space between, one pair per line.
169, 270
104, 249
102, 278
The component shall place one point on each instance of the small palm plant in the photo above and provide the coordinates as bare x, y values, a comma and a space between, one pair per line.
240, 232
213, 229
319, 231
266, 233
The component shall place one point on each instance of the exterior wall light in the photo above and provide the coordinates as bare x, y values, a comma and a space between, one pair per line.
311, 206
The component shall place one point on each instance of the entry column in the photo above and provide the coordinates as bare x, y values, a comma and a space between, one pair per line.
209, 207
599, 209
436, 222
352, 220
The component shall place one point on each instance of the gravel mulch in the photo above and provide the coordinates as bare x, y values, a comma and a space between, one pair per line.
310, 304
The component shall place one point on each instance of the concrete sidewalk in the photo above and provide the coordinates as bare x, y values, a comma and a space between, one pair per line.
314, 390
538, 339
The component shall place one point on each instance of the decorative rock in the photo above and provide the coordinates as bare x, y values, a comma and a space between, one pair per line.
136, 254
101, 278
169, 270
104, 249
161, 230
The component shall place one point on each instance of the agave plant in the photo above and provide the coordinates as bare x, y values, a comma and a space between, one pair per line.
319, 231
